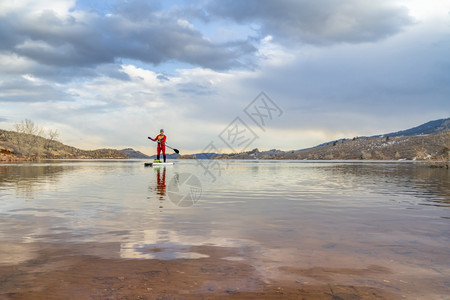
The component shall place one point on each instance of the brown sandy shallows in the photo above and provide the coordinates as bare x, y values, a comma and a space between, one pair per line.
65, 274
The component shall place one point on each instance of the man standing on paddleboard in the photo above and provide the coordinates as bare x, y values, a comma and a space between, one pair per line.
161, 140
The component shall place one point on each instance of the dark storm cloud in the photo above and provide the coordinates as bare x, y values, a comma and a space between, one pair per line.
8, 37
162, 77
145, 31
163, 40
134, 30
196, 89
136, 9
317, 22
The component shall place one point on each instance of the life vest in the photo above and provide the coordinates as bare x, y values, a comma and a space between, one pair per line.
161, 138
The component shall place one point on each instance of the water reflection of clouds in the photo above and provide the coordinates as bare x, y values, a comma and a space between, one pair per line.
27, 178
15, 253
170, 244
415, 181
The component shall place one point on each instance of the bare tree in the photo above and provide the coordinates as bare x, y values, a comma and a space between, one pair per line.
28, 136
28, 127
52, 136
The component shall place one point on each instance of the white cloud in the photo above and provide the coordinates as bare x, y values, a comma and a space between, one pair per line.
185, 23
438, 10
14, 64
58, 6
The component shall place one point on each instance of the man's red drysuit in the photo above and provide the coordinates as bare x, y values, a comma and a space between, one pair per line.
161, 139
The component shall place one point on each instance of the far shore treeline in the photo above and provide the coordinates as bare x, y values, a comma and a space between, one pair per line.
31, 142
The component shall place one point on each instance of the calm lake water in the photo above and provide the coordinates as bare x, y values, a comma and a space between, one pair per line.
384, 225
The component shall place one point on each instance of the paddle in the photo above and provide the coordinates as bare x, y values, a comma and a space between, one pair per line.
176, 150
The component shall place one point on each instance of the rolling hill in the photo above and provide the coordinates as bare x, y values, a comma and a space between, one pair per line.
16, 146
426, 128
429, 141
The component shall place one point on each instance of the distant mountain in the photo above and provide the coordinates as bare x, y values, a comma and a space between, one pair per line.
429, 141
434, 146
427, 128
168, 156
199, 156
134, 153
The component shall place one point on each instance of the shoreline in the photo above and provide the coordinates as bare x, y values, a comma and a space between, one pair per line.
22, 158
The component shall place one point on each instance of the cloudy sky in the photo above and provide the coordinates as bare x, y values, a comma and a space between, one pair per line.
111, 73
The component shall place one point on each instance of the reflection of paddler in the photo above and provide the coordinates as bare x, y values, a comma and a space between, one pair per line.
161, 181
